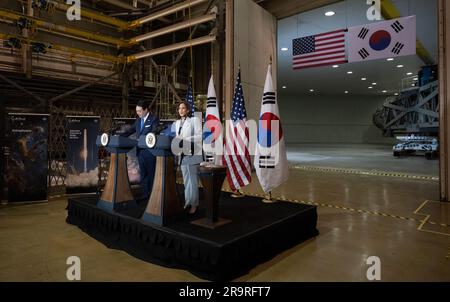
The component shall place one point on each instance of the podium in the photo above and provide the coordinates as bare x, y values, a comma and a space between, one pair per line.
212, 178
163, 203
117, 192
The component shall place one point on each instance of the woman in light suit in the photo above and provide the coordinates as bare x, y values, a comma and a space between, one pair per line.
188, 131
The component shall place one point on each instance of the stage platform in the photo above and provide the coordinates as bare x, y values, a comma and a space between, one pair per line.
257, 233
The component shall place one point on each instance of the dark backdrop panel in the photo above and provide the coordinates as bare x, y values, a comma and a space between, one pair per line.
28, 157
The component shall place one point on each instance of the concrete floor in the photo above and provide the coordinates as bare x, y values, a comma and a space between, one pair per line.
359, 216
359, 156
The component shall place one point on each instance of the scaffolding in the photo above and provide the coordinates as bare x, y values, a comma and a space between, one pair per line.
414, 110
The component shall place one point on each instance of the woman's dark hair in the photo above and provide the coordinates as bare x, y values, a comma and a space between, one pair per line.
188, 107
142, 103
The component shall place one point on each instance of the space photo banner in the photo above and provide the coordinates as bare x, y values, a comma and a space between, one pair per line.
27, 164
82, 154
120, 126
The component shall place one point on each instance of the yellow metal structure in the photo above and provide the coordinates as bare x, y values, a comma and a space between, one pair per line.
70, 50
64, 29
122, 25
92, 15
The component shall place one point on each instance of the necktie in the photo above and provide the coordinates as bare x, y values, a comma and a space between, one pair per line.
142, 124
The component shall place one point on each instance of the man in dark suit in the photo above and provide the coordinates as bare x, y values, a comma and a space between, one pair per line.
144, 124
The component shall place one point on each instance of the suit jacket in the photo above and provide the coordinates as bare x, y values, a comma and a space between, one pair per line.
150, 125
191, 134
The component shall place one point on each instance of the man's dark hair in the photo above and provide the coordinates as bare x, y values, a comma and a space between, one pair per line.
142, 103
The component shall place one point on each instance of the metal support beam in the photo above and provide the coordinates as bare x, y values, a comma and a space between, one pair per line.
165, 12
174, 91
172, 47
64, 29
145, 2
72, 51
125, 89
92, 15
172, 28
171, 87
66, 94
444, 98
179, 56
119, 4
26, 52
14, 84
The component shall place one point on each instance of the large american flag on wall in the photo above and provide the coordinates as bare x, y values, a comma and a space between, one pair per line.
236, 156
319, 50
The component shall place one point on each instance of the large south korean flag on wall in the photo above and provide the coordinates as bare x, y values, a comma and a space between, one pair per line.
392, 38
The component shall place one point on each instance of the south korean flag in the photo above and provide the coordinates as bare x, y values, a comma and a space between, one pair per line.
270, 160
212, 130
392, 38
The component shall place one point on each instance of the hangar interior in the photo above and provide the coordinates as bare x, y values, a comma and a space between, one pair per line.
369, 202
335, 124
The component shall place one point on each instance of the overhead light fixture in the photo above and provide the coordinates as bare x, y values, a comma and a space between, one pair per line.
409, 73
330, 13
374, 84
284, 87
349, 72
363, 79
335, 66
390, 59
384, 91
370, 87
346, 91
284, 49
413, 85
415, 79
400, 66
311, 90
396, 93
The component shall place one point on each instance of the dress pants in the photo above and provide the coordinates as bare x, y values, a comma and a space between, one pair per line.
147, 164
190, 179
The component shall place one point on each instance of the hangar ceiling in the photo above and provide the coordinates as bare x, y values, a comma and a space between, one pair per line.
327, 80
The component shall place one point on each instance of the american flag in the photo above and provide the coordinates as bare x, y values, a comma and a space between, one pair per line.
190, 98
236, 156
319, 50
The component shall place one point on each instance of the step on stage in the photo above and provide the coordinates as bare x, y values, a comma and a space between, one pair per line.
257, 233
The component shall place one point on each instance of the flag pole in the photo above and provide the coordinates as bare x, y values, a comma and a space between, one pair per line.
269, 199
237, 194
